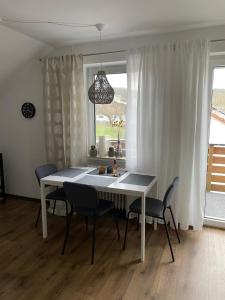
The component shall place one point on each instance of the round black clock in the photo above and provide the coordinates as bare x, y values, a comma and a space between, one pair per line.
28, 110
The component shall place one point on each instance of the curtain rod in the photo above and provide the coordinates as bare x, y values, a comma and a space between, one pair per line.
100, 53
121, 51
219, 40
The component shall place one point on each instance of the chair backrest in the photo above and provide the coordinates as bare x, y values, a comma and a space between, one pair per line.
169, 195
44, 171
81, 196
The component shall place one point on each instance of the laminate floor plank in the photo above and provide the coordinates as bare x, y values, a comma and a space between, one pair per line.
34, 269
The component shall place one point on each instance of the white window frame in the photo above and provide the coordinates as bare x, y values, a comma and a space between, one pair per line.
216, 61
90, 71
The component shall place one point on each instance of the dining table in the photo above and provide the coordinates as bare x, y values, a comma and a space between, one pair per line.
136, 184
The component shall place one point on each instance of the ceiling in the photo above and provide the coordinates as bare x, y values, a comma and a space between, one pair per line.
123, 18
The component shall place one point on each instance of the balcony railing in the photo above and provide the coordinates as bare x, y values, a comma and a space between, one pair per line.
216, 168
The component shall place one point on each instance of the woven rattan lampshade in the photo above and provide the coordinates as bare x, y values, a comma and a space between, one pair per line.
101, 92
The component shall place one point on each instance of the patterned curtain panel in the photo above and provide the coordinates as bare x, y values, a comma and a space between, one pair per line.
66, 134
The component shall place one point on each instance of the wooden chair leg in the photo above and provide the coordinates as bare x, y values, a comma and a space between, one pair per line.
93, 241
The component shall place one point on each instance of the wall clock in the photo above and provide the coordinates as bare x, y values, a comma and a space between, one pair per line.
28, 110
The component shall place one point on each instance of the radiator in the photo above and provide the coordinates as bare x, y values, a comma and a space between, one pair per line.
118, 199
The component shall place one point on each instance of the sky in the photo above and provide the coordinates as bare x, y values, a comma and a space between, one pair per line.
117, 80
219, 78
120, 80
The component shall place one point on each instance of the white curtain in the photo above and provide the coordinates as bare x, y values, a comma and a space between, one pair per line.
66, 134
167, 124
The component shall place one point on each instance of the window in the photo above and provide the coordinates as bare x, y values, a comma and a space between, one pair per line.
109, 120
217, 124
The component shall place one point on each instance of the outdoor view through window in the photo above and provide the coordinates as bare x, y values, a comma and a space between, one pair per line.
217, 125
215, 187
111, 118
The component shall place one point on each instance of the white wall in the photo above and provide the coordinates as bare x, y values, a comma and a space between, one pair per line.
16, 49
21, 140
210, 33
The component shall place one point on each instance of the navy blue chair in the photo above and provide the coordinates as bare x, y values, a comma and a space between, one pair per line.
58, 194
156, 208
84, 201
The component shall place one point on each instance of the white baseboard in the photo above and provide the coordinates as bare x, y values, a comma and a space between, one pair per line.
214, 223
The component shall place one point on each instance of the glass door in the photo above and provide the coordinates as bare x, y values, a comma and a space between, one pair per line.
215, 188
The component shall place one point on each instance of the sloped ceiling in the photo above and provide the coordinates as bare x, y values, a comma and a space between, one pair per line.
123, 18
16, 49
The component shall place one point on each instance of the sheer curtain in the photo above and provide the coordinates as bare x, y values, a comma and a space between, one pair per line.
66, 134
168, 119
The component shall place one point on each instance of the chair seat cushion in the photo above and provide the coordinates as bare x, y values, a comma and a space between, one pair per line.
103, 207
58, 194
153, 208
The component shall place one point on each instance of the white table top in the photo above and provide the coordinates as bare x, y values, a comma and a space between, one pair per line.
116, 187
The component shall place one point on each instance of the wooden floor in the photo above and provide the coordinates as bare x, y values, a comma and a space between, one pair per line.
32, 269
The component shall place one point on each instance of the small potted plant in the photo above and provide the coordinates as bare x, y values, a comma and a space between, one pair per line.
93, 151
118, 125
111, 152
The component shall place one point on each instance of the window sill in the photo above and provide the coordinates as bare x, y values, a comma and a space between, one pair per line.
96, 161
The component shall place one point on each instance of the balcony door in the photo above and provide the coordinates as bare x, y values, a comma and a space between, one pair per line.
215, 188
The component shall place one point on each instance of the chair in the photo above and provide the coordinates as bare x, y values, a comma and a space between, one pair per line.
56, 195
156, 208
84, 201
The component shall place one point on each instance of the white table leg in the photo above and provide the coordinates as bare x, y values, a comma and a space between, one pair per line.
143, 227
43, 211
155, 223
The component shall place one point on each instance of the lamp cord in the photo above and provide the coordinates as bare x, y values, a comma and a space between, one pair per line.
100, 56
75, 25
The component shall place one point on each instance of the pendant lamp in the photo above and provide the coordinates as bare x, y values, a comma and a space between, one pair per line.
101, 92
